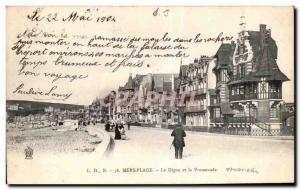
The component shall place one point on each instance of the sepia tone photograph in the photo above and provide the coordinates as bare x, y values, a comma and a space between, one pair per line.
158, 95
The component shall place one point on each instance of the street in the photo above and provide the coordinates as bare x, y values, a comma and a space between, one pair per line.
147, 157
152, 147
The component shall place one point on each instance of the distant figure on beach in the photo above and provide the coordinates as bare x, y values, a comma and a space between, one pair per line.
178, 142
117, 132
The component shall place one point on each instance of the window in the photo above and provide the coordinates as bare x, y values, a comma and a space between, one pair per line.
241, 90
224, 76
242, 71
263, 93
217, 112
275, 90
273, 112
232, 90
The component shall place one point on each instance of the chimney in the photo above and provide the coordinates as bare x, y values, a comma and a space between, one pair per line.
243, 23
262, 31
195, 60
269, 32
262, 28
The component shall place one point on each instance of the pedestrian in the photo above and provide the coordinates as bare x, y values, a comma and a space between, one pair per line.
117, 132
128, 125
178, 142
112, 126
107, 126
123, 134
121, 126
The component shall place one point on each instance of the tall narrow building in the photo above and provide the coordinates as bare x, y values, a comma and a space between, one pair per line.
197, 87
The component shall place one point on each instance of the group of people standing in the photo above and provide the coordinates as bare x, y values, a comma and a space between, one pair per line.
178, 135
119, 129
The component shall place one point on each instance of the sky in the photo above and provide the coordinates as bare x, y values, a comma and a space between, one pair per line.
139, 21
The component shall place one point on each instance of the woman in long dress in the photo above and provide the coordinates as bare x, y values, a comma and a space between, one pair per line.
117, 132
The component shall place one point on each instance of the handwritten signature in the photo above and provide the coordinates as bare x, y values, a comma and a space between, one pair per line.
247, 170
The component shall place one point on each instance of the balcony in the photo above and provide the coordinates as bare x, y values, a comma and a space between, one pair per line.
201, 91
214, 104
237, 97
275, 95
243, 97
271, 95
195, 108
217, 120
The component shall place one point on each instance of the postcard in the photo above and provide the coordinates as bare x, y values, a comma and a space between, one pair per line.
150, 95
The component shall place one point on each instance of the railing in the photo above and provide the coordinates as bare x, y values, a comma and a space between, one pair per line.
274, 95
234, 120
214, 103
237, 97
242, 97
241, 120
217, 120
196, 92
271, 95
237, 77
200, 91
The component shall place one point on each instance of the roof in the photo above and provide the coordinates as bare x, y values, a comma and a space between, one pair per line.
137, 80
198, 63
132, 83
183, 70
224, 55
176, 83
265, 52
162, 82
266, 55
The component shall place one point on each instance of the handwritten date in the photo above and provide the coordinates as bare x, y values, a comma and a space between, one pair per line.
39, 15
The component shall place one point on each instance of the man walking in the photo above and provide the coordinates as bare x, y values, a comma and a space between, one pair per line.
178, 133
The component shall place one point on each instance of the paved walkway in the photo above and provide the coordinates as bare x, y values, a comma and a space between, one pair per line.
151, 147
206, 159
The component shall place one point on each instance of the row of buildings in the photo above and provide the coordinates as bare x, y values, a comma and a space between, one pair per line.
38, 114
135, 107
237, 90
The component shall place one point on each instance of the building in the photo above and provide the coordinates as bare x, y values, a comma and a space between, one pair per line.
98, 111
288, 118
197, 83
158, 110
249, 83
110, 107
126, 104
